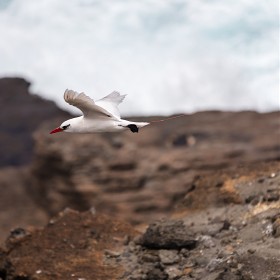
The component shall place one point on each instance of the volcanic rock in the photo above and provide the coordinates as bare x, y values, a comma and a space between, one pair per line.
21, 114
195, 197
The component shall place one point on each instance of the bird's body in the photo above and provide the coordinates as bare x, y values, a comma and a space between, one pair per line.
100, 116
86, 125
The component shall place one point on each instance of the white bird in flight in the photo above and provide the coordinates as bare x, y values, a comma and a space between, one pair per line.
99, 116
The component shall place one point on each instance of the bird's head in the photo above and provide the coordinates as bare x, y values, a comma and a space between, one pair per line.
63, 127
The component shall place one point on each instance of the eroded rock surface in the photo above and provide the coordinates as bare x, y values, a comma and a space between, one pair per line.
72, 246
132, 176
21, 114
234, 240
197, 197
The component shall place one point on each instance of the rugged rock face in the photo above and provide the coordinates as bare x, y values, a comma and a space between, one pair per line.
17, 208
239, 240
21, 114
133, 175
80, 255
197, 197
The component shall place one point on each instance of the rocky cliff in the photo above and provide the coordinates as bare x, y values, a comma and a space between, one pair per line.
21, 114
131, 175
196, 197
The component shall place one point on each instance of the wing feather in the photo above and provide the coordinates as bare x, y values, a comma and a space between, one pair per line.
85, 104
110, 103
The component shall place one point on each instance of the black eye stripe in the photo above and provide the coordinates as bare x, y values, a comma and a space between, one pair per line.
65, 126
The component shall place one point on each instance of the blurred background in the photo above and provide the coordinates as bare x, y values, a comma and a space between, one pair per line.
169, 56
215, 61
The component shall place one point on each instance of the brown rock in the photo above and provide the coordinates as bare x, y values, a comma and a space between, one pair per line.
67, 248
21, 114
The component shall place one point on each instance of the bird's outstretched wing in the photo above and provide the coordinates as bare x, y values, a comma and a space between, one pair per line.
86, 105
110, 103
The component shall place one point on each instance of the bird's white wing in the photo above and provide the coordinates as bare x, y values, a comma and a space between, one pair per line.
110, 103
86, 105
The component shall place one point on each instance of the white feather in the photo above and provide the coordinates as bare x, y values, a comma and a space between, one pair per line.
86, 105
110, 103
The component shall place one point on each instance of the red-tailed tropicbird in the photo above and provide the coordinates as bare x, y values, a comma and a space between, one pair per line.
99, 116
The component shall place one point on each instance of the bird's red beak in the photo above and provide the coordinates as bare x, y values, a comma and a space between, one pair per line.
56, 130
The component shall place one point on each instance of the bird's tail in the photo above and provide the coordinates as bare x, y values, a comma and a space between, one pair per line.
140, 124
134, 126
